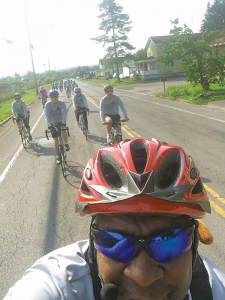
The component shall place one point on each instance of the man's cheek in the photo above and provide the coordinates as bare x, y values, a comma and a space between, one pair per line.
181, 271
108, 269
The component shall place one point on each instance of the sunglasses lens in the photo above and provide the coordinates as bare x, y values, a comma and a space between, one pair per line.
114, 245
170, 245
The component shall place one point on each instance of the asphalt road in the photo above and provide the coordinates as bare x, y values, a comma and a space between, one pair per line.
37, 203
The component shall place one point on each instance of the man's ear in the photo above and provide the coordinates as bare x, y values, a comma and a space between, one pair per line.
204, 234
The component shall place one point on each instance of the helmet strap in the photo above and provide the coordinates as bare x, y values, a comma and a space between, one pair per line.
92, 261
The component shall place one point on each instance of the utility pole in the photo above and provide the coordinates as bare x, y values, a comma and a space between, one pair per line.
32, 61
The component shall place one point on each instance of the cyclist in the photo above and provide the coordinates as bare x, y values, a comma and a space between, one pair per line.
109, 110
61, 86
144, 198
53, 86
19, 110
55, 113
43, 95
68, 90
80, 105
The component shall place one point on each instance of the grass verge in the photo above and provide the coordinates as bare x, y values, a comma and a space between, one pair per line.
6, 106
194, 94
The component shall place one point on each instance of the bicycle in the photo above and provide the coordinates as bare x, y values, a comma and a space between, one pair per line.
24, 135
68, 95
81, 121
43, 101
116, 135
61, 147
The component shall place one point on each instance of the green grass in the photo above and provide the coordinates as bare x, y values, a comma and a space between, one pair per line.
102, 81
6, 106
192, 93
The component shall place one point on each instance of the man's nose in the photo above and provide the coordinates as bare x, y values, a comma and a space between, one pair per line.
143, 269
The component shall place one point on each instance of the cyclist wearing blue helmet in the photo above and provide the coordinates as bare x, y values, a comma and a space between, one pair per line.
55, 114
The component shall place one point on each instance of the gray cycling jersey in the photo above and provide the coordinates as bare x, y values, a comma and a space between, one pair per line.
19, 109
64, 274
110, 106
55, 113
79, 101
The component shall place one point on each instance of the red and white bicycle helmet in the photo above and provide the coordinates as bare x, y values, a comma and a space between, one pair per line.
142, 176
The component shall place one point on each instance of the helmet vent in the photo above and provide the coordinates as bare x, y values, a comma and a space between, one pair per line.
139, 153
84, 189
112, 172
168, 171
198, 187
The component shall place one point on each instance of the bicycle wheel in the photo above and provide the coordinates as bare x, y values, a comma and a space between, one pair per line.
118, 138
24, 137
84, 129
62, 159
113, 137
82, 123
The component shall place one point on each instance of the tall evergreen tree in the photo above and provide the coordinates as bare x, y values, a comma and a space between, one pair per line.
116, 26
214, 16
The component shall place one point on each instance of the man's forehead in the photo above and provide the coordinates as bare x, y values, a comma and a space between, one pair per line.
140, 222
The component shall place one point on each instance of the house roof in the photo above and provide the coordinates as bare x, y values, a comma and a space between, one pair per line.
160, 39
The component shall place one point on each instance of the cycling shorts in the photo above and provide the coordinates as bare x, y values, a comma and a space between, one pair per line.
55, 133
25, 122
115, 118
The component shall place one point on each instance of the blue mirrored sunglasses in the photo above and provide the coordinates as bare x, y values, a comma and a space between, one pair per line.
164, 247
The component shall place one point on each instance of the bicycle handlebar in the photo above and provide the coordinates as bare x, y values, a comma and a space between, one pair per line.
122, 120
58, 129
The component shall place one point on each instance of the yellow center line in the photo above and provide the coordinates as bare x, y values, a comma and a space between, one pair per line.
131, 135
217, 208
92, 101
135, 133
214, 194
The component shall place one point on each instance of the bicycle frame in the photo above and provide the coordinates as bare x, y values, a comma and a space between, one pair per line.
82, 123
61, 148
43, 101
116, 135
24, 135
68, 95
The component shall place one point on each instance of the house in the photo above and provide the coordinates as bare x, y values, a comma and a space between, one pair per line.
218, 45
108, 66
151, 68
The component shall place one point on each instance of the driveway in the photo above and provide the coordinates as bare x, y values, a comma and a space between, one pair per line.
154, 87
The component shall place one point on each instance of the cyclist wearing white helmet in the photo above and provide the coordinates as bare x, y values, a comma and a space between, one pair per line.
145, 199
19, 110
109, 110
56, 114
80, 106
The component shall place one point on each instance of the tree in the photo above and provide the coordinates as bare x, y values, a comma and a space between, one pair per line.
17, 77
140, 54
198, 62
116, 26
214, 16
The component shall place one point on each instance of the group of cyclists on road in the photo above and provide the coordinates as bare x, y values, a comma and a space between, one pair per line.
145, 199
55, 111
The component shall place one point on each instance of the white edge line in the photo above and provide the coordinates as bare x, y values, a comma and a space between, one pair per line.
179, 109
17, 153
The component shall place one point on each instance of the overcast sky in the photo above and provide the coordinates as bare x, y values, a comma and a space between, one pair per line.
60, 30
